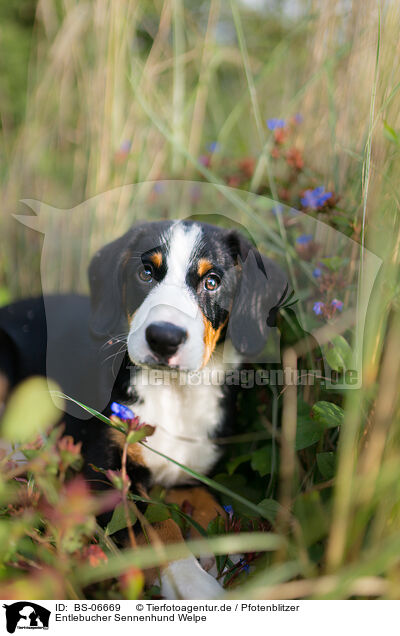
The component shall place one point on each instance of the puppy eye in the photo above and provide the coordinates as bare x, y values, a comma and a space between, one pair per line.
212, 282
146, 273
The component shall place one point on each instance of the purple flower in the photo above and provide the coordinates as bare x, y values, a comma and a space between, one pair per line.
213, 146
318, 308
158, 187
274, 123
337, 304
298, 118
245, 566
304, 239
123, 412
317, 272
229, 510
125, 146
315, 198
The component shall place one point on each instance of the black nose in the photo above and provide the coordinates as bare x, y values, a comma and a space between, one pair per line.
164, 338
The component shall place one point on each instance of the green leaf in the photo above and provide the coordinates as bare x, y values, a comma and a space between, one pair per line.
31, 410
390, 133
118, 520
261, 460
141, 433
338, 353
334, 263
310, 512
270, 508
326, 464
327, 414
157, 512
308, 433
234, 463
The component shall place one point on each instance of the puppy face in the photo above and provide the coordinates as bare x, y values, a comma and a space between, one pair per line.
178, 296
177, 288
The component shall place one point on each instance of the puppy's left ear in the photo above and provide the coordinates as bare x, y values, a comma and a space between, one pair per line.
262, 288
106, 281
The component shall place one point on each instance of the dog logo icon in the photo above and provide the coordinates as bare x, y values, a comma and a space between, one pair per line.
26, 615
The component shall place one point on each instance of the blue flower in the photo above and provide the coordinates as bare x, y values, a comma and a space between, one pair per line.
213, 146
337, 304
277, 210
158, 187
318, 308
304, 239
122, 411
274, 123
229, 510
317, 272
315, 198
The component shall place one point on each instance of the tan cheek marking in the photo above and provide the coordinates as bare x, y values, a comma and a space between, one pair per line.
156, 259
204, 265
211, 337
134, 450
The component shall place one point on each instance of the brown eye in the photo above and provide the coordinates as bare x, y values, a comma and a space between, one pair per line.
212, 282
146, 274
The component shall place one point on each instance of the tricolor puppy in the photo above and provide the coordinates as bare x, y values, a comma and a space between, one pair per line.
180, 297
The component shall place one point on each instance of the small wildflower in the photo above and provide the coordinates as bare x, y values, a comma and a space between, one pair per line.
229, 511
247, 166
298, 118
123, 151
318, 308
121, 411
213, 146
158, 187
304, 239
295, 159
94, 555
337, 304
205, 160
275, 123
277, 210
234, 181
280, 136
316, 198
317, 272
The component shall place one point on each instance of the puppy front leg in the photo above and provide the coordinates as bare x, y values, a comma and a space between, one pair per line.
184, 578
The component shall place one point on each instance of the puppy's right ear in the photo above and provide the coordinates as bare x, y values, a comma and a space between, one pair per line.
106, 280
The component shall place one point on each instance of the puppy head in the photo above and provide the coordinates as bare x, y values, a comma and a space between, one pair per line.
174, 289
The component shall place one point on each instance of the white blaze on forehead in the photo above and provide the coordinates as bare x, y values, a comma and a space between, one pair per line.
171, 300
183, 243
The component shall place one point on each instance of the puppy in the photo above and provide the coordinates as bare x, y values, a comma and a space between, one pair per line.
169, 301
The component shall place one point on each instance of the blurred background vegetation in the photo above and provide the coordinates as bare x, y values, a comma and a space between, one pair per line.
98, 94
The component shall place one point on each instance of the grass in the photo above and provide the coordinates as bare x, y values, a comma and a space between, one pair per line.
131, 92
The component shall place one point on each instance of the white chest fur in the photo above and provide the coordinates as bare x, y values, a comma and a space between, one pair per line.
185, 416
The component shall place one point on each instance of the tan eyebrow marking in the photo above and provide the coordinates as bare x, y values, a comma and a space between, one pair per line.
156, 259
203, 266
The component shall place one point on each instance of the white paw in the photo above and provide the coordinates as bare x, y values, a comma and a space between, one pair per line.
186, 579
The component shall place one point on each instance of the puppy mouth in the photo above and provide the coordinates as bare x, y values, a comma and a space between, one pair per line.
156, 362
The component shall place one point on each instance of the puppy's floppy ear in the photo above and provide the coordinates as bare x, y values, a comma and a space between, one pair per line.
261, 289
105, 280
